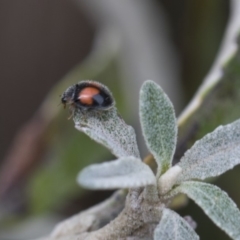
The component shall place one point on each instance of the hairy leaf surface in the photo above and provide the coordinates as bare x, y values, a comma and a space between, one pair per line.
216, 204
174, 227
126, 172
158, 123
213, 155
109, 129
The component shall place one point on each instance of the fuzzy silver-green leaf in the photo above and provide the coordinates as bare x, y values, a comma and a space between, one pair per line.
213, 155
127, 172
217, 205
109, 129
174, 227
158, 123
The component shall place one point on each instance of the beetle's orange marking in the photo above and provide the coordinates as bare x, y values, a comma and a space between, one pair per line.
86, 95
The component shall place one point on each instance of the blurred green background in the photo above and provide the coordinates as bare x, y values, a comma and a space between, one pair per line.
45, 46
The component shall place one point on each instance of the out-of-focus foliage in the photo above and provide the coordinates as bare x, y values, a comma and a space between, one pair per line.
220, 105
69, 150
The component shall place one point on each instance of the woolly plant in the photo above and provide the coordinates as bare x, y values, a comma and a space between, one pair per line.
146, 214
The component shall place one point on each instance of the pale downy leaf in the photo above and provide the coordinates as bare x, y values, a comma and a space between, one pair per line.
158, 123
126, 172
215, 203
213, 155
109, 129
174, 227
